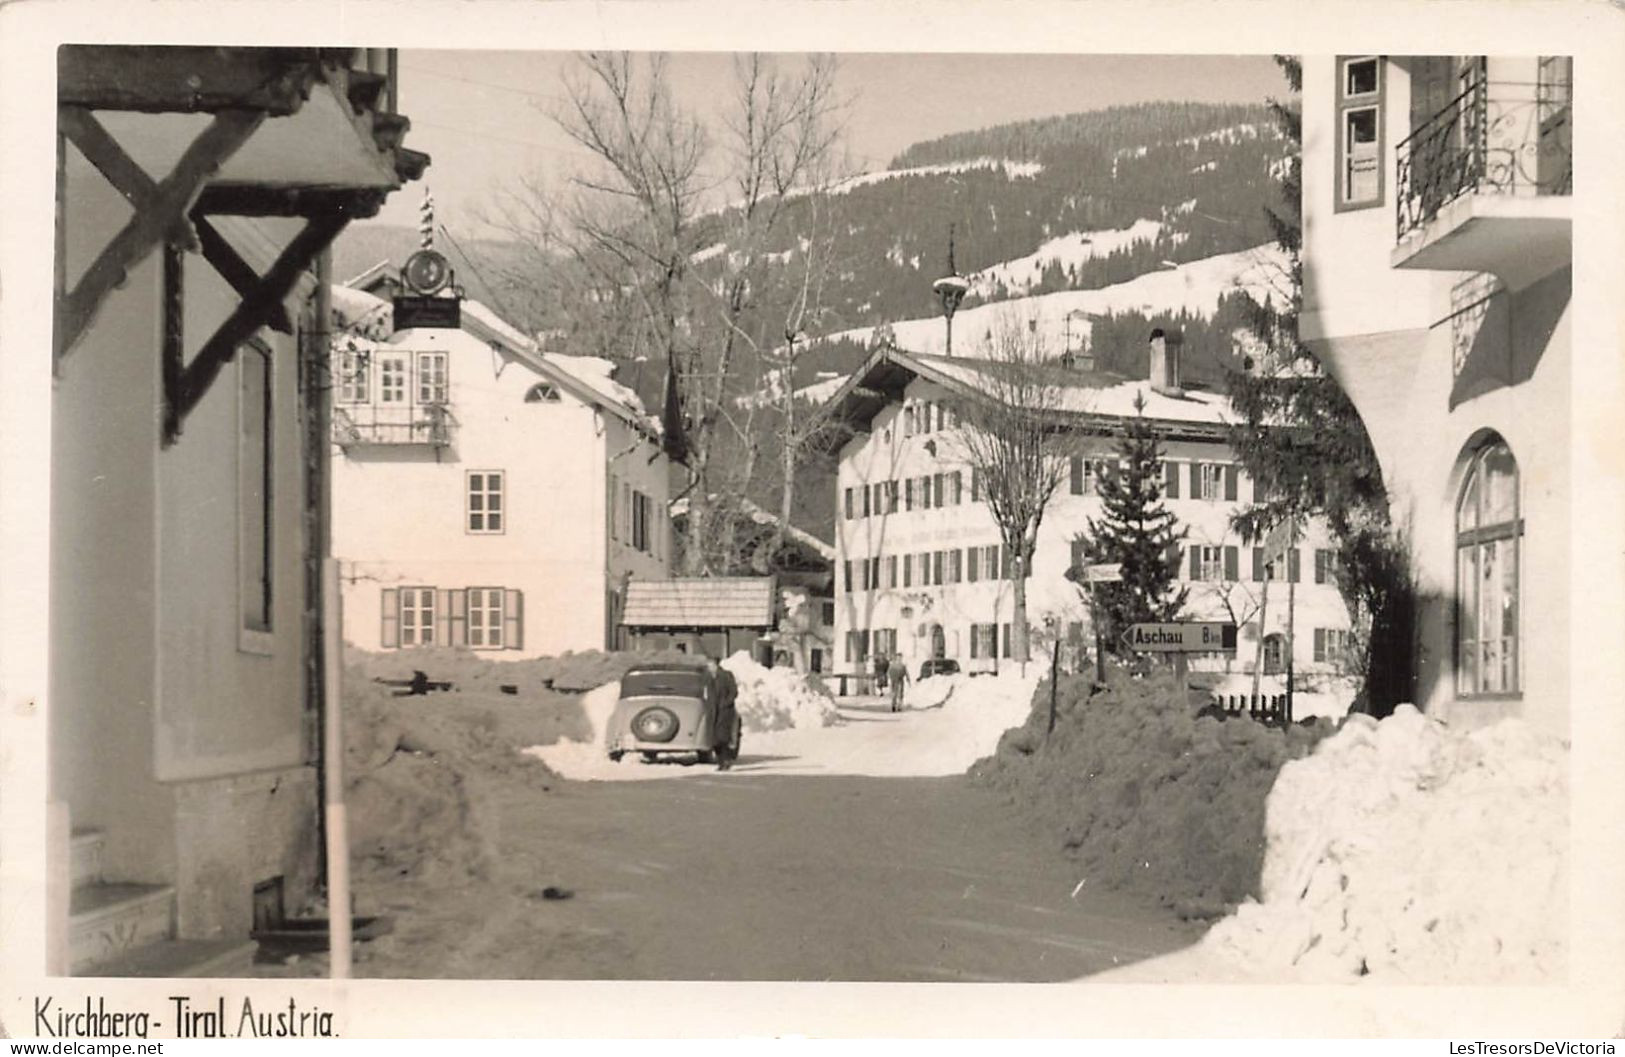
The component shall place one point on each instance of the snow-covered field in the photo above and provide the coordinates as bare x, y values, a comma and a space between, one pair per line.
1023, 273
1194, 287
948, 723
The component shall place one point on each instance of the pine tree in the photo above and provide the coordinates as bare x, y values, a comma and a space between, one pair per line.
1302, 441
1137, 531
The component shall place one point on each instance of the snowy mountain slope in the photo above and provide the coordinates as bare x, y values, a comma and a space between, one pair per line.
1023, 273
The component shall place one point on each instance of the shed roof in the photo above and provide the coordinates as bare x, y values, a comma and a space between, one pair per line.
716, 602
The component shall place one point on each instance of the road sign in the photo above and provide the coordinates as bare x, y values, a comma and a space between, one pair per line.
1281, 537
1181, 637
1104, 573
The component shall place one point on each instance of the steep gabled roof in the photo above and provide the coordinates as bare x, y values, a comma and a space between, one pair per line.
719, 602
1090, 400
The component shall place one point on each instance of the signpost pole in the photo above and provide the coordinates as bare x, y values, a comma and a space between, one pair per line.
1263, 629
1291, 644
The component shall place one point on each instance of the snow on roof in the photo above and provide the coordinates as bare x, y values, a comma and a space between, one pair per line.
1085, 393
597, 374
679, 508
360, 312
717, 602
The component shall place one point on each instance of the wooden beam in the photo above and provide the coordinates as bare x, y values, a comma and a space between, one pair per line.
173, 352
234, 270
127, 178
154, 219
156, 79
250, 315
264, 200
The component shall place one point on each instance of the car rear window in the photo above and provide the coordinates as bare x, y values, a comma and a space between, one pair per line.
647, 684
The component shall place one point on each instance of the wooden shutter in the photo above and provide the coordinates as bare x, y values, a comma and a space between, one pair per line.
1004, 562
1077, 475
936, 482
1258, 565
846, 575
389, 634
1292, 565
1170, 477
908, 570
513, 619
1230, 483
936, 565
1196, 480
442, 617
1320, 566
1078, 554
849, 504
975, 644
457, 612
1320, 644
1007, 640
1232, 561
970, 563
1196, 563
1433, 84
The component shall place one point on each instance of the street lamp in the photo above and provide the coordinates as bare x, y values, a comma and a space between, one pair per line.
950, 290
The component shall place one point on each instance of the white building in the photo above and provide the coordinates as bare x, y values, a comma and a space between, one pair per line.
487, 494
183, 610
920, 570
1437, 271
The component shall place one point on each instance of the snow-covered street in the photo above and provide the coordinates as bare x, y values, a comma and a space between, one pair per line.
948, 723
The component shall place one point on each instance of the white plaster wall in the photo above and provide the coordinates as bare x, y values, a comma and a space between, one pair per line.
399, 514
885, 454
1348, 286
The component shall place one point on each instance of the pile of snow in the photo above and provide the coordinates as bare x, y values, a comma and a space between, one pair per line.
777, 698
1402, 852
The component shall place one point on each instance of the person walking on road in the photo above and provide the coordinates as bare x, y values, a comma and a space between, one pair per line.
897, 678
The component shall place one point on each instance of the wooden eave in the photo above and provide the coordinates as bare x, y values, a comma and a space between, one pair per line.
294, 132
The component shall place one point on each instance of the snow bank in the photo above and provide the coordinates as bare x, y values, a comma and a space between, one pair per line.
777, 698
1402, 852
1143, 793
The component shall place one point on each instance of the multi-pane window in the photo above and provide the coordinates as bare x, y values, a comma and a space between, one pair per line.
485, 618
1209, 480
355, 376
417, 616
392, 371
1488, 531
485, 506
990, 561
1359, 131
432, 384
254, 499
1331, 645
1274, 653
984, 640
885, 641
1325, 566
1210, 563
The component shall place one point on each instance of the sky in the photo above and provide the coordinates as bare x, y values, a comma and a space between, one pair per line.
485, 116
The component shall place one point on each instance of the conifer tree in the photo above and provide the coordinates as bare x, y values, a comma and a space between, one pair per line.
1137, 531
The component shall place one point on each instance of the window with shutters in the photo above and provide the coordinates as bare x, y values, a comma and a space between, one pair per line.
955, 566
984, 640
417, 616
1325, 566
885, 642
485, 618
1359, 132
1274, 653
1209, 481
1210, 563
990, 562
1331, 645
1489, 532
433, 385
484, 503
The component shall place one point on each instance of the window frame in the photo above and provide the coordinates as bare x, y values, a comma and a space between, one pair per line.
256, 557
485, 511
432, 375
1478, 539
402, 607
388, 381
1349, 103
470, 607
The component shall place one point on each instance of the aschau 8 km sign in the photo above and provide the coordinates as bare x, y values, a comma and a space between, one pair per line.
1191, 637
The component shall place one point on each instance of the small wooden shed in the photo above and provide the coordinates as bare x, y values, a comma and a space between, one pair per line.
713, 616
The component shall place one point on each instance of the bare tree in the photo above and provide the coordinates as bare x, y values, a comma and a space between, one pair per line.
669, 233
1019, 434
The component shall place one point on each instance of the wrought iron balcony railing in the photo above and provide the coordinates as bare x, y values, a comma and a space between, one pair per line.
370, 424
1494, 138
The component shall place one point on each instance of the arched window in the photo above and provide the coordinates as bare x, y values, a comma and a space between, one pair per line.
1488, 531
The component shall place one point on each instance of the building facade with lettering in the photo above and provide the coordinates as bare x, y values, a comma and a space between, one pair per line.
919, 566
487, 494
1437, 274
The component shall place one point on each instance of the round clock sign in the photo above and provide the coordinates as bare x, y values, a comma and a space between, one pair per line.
426, 271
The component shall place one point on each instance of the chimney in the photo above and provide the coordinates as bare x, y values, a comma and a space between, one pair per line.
1165, 351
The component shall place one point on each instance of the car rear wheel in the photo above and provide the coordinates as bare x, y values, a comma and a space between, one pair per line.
655, 724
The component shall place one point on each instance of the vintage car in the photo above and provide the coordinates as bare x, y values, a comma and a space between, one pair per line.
676, 707
939, 666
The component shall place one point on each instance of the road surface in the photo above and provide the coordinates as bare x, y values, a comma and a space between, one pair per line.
735, 877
